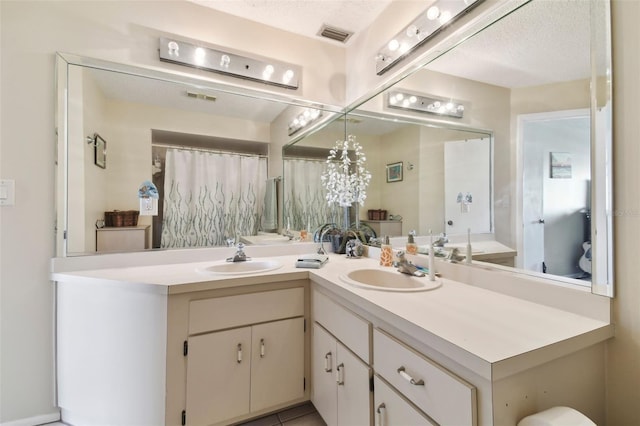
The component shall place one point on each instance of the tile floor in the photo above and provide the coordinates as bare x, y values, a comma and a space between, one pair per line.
302, 415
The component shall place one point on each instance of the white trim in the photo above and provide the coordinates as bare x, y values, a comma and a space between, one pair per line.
521, 120
36, 420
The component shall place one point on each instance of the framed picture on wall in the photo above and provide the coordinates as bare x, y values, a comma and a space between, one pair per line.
100, 151
560, 165
394, 172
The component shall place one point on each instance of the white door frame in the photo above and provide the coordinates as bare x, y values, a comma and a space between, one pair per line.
521, 120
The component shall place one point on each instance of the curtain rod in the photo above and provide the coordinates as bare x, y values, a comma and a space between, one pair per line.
213, 151
305, 158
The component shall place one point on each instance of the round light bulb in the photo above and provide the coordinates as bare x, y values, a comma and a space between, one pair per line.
173, 48
400, 96
412, 30
450, 106
393, 45
433, 13
288, 75
405, 103
199, 55
413, 99
404, 47
445, 17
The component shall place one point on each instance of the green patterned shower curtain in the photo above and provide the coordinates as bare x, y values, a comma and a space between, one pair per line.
305, 200
210, 197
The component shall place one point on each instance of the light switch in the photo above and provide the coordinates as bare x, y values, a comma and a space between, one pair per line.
7, 192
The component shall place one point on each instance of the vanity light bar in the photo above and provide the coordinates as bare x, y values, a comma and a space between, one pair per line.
421, 103
306, 117
275, 73
424, 27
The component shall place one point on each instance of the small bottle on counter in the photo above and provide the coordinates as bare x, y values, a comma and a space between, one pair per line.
386, 253
412, 247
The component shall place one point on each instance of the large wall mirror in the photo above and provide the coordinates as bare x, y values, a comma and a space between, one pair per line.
534, 136
211, 151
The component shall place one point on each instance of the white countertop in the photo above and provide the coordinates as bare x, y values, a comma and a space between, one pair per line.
480, 326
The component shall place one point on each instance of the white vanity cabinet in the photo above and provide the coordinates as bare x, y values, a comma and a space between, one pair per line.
443, 396
234, 372
340, 370
253, 366
393, 409
136, 354
341, 381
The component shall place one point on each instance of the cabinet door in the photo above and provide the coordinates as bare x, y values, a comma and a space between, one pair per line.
391, 409
354, 395
277, 363
218, 376
323, 370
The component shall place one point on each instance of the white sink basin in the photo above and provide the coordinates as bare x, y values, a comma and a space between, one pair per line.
379, 279
246, 267
264, 239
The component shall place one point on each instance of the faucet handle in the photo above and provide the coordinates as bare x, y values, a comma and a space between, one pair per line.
240, 246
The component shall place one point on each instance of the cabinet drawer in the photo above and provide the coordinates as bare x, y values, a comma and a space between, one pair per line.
233, 311
392, 409
444, 397
346, 326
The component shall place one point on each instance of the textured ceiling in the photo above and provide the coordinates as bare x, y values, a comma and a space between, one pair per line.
545, 41
304, 17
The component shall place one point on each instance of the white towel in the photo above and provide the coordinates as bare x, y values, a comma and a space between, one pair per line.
270, 212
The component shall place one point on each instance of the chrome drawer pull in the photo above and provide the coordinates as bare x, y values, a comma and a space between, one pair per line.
410, 379
239, 358
261, 348
340, 374
327, 362
379, 410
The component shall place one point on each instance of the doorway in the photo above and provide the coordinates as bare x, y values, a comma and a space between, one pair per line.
555, 173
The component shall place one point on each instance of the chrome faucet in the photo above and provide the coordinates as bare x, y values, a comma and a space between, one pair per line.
353, 248
454, 256
407, 267
323, 232
441, 241
240, 255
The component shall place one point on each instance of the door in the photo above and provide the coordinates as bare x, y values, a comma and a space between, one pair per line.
467, 186
218, 376
556, 173
391, 409
354, 395
323, 362
277, 363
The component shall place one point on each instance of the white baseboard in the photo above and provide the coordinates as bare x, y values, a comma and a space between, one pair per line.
35, 421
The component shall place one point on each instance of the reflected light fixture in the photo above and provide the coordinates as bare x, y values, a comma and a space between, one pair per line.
421, 103
421, 29
306, 117
265, 71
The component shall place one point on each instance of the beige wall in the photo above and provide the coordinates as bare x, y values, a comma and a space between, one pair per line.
30, 34
623, 354
120, 31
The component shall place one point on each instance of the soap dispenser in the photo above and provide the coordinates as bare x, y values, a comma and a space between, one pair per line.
412, 247
386, 253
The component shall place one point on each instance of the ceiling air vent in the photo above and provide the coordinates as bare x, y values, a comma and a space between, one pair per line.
334, 33
201, 96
